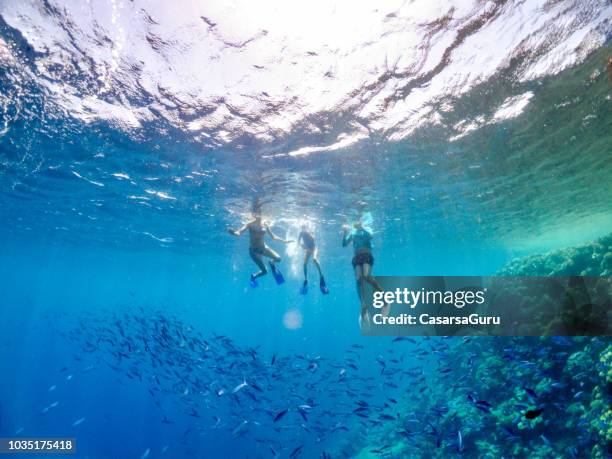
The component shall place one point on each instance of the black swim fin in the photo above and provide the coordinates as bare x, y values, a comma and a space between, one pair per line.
323, 287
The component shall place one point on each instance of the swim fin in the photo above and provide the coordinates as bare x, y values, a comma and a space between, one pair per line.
324, 289
253, 282
278, 276
364, 322
304, 289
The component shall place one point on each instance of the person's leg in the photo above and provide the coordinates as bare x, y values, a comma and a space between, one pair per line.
315, 260
304, 288
358, 280
256, 257
367, 274
361, 291
307, 254
275, 258
268, 252
322, 284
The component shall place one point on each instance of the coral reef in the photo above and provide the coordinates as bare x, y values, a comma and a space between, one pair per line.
591, 259
536, 397
520, 397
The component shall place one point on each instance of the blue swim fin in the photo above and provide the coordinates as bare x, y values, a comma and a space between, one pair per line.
323, 287
253, 282
304, 289
278, 276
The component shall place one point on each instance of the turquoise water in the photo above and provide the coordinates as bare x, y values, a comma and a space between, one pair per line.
132, 136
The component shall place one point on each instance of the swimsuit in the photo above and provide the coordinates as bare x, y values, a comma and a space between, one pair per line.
308, 240
362, 243
363, 258
258, 250
258, 234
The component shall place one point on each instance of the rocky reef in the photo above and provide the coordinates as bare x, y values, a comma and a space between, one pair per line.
576, 305
591, 259
537, 397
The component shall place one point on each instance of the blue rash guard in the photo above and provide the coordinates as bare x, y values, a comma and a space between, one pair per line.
361, 238
362, 247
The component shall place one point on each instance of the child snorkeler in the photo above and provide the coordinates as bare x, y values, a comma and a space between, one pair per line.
307, 242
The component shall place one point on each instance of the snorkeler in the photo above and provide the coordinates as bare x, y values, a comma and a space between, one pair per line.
307, 242
362, 262
258, 248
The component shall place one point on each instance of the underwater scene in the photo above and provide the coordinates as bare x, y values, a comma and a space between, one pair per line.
196, 198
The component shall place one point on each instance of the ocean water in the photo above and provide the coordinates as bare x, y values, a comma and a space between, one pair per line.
134, 134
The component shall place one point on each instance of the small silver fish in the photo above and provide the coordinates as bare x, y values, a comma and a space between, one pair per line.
47, 408
240, 386
241, 428
78, 422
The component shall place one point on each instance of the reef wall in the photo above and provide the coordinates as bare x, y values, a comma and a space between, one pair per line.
590, 259
491, 397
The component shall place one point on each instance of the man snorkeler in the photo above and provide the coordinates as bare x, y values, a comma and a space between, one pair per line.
307, 242
258, 248
362, 262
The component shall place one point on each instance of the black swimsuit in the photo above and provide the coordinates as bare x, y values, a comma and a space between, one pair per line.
309, 242
258, 249
363, 258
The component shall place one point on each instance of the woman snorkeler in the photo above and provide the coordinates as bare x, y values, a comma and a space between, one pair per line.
258, 248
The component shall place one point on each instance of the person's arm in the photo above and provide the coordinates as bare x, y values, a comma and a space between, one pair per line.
347, 237
300, 240
239, 231
277, 238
